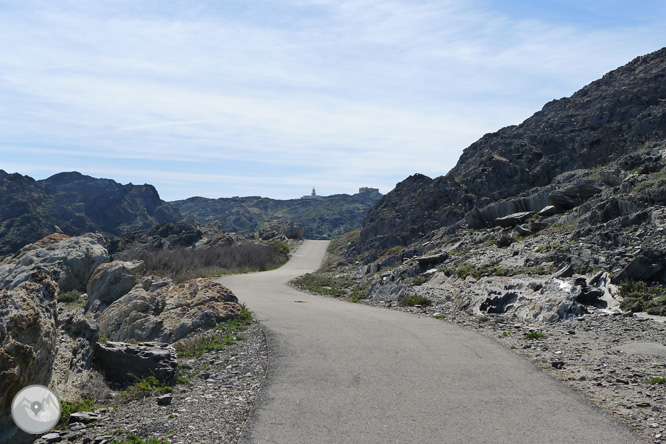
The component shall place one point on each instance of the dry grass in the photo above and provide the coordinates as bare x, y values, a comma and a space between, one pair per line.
182, 264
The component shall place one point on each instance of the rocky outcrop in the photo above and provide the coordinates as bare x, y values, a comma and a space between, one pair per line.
602, 127
168, 314
127, 363
70, 261
77, 335
74, 204
28, 340
111, 281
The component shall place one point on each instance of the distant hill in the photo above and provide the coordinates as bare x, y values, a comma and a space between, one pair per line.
31, 209
322, 218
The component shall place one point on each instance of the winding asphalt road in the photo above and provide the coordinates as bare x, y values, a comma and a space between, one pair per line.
349, 373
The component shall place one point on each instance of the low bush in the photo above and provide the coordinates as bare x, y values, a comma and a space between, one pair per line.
182, 264
411, 301
225, 334
640, 296
148, 387
533, 335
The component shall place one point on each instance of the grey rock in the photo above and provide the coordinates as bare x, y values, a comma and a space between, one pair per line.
513, 219
164, 400
84, 417
70, 261
28, 341
432, 259
547, 211
640, 268
125, 363
573, 195
111, 281
168, 314
52, 437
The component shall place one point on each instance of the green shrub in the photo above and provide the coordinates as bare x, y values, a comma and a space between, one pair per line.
657, 380
225, 334
411, 301
148, 387
533, 335
640, 296
68, 407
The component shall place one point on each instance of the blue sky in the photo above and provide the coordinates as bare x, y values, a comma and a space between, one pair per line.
272, 97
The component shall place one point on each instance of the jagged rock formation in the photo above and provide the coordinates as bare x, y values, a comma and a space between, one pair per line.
322, 218
126, 363
48, 338
165, 313
606, 123
69, 261
543, 220
74, 204
28, 340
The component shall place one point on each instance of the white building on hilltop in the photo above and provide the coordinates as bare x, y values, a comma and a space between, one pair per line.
312, 196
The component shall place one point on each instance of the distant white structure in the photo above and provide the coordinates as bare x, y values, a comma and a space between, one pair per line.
312, 196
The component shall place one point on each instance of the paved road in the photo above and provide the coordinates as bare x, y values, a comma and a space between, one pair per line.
348, 373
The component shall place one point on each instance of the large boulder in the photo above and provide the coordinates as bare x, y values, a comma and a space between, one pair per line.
70, 261
111, 281
168, 314
573, 195
77, 337
28, 340
127, 363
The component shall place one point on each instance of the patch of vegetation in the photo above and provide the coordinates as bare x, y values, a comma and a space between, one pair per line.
483, 319
337, 248
505, 334
150, 386
533, 335
69, 296
391, 252
440, 316
68, 407
330, 284
411, 301
549, 247
182, 264
655, 181
492, 269
657, 380
133, 439
641, 296
225, 334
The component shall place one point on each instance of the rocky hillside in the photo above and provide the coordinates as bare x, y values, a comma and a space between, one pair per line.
548, 220
610, 124
75, 204
321, 218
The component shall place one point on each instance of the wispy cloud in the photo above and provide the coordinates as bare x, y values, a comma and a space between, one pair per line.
348, 93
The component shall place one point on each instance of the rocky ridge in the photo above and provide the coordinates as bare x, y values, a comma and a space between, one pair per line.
322, 218
609, 124
73, 203
54, 334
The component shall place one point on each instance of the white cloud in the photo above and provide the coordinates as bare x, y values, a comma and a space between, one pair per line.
351, 90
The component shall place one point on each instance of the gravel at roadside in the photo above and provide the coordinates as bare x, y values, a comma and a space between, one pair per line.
211, 408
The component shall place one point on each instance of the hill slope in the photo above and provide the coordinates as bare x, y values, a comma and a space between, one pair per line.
76, 204
613, 117
321, 218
